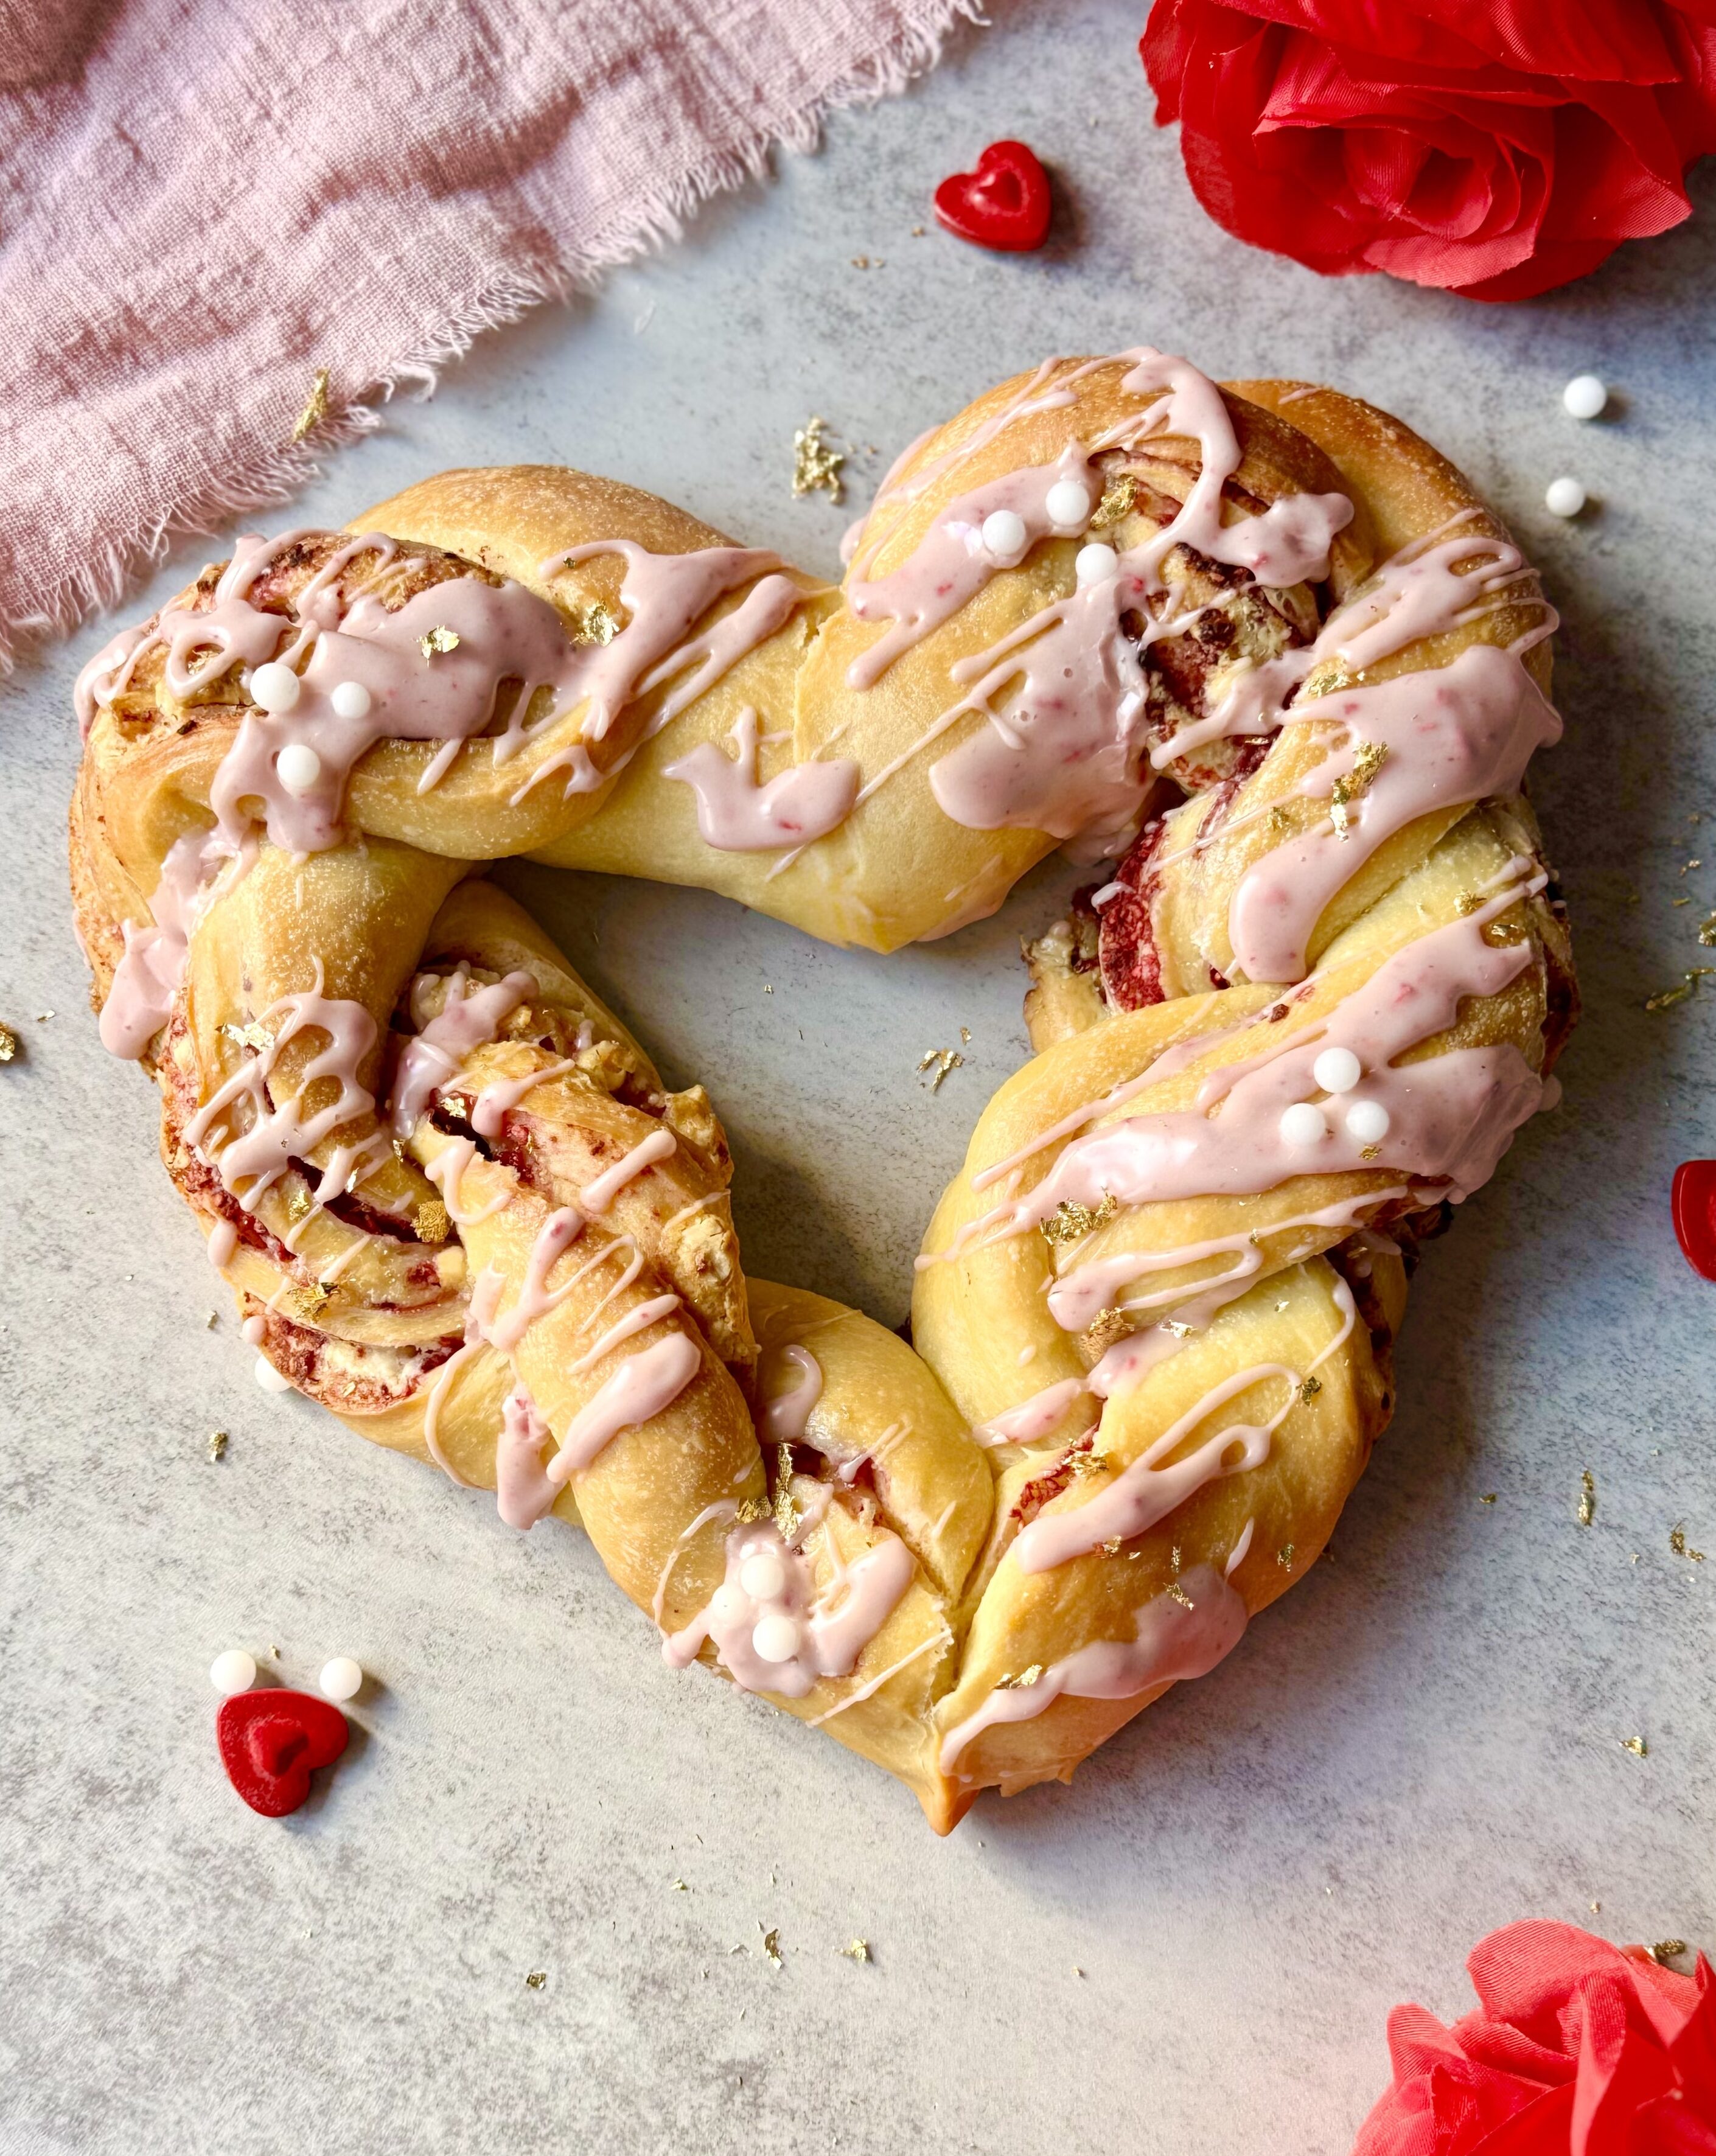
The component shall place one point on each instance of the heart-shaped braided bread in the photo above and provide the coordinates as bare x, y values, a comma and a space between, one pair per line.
1258, 648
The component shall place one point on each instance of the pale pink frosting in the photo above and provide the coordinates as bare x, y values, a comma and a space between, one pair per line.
522, 1491
735, 815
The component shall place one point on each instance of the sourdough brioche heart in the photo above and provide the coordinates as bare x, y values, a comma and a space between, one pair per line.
271, 1742
1694, 1203
1003, 204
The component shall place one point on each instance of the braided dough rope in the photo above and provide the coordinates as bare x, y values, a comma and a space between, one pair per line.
458, 1205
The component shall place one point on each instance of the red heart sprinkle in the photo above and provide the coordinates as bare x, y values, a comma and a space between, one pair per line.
1694, 1202
1003, 204
270, 1742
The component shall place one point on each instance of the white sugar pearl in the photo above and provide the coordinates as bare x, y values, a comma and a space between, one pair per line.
727, 1602
274, 687
1096, 563
232, 1672
1563, 497
1303, 1124
340, 1679
350, 699
764, 1576
1337, 1071
1067, 502
1584, 397
270, 1378
775, 1639
1368, 1121
1004, 535
298, 766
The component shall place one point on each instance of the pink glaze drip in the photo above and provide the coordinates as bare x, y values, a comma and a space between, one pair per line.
446, 1171
222, 1241
623, 1329
639, 1389
501, 1095
831, 1632
950, 564
598, 1195
259, 1154
1176, 1636
536, 1298
522, 1491
469, 1019
198, 868
1457, 734
1032, 1418
735, 815
786, 1413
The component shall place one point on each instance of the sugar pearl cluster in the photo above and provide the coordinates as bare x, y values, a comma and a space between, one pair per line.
1586, 396
1338, 1072
234, 1671
760, 1592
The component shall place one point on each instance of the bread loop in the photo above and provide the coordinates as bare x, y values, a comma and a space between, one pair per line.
1259, 649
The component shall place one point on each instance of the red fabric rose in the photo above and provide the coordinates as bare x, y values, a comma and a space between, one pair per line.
1579, 2048
1496, 147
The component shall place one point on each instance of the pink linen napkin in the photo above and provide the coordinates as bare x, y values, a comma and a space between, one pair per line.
203, 202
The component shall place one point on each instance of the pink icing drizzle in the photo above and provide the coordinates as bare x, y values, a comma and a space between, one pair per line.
1174, 1639
522, 1491
641, 1389
598, 1195
735, 815
786, 1413
153, 970
469, 1019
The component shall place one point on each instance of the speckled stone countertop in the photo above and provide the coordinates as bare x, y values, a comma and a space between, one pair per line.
1194, 1946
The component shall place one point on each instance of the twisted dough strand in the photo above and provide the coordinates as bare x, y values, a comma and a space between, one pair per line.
1154, 1312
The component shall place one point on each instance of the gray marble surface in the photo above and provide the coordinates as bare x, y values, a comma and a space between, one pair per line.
1195, 1946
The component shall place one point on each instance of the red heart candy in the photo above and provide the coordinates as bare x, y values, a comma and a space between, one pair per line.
1694, 1203
1003, 204
271, 1742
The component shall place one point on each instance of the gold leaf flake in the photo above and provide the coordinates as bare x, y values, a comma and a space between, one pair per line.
1022, 1681
816, 463
1368, 759
1666, 1949
1637, 1746
593, 623
856, 1950
1284, 1556
8, 1045
1371, 1153
217, 1445
1468, 901
251, 1035
536, 1978
441, 640
1178, 1594
945, 1060
1587, 1498
1110, 1547
1309, 1390
1279, 820
1677, 1543
311, 1302
1071, 1222
1500, 934
1084, 1464
1665, 999
680, 1887
1118, 495
1105, 1328
1707, 930
316, 406
753, 1509
771, 1946
1489, 1497
433, 1222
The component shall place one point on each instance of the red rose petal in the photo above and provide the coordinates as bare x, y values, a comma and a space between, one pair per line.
1004, 204
271, 1742
1693, 1201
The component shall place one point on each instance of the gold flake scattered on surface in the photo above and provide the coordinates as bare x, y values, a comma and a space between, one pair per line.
1596, 1908
1468, 901
1022, 1680
856, 1950
433, 1222
1666, 1949
1279, 820
816, 463
1071, 1222
1707, 930
1176, 1593
1110, 1547
1368, 759
965, 1036
1086, 1464
212, 1320
753, 1509
1680, 902
1677, 1543
1371, 1153
680, 1887
945, 1060
593, 623
316, 406
1284, 1556
1637, 1746
217, 1445
1119, 496
1694, 863
1487, 1498
441, 640
1665, 999
1499, 934
313, 1300
1309, 1389
858, 262
771, 1946
252, 1035
8, 1045
536, 1978
1105, 1328
1178, 1327
1587, 1498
